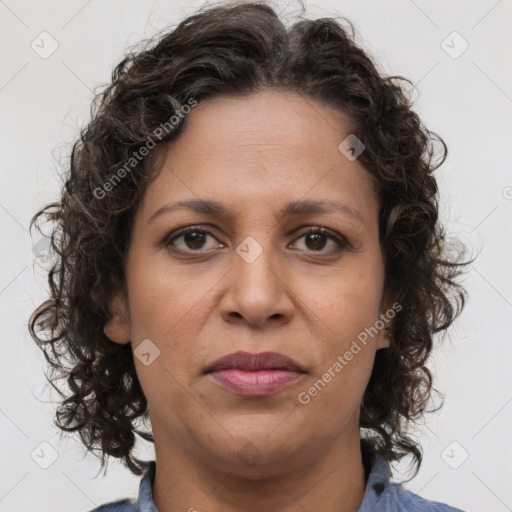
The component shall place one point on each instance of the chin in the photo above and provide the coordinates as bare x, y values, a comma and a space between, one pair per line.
257, 456
252, 463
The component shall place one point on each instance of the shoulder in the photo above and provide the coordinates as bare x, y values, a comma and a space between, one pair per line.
125, 505
387, 496
405, 500
144, 501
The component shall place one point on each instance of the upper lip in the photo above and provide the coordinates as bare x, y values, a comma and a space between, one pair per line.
251, 362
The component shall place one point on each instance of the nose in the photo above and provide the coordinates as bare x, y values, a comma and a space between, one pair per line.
257, 292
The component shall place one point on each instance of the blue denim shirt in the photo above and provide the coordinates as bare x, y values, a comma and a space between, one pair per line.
380, 496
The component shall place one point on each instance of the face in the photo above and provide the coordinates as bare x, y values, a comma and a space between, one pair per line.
250, 277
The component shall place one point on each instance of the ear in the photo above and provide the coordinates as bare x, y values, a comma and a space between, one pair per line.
383, 339
388, 311
118, 327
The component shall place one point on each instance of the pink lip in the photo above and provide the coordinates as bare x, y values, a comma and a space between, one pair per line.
258, 374
255, 383
251, 362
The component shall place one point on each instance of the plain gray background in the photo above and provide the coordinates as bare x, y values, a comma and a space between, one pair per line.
466, 98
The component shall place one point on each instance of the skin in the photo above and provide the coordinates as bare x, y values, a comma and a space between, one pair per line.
306, 301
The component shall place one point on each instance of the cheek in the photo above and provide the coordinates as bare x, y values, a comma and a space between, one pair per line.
167, 307
338, 384
348, 303
348, 308
162, 298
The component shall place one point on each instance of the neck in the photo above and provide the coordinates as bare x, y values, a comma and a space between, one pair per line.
336, 479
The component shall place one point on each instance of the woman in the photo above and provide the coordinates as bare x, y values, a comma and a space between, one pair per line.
248, 254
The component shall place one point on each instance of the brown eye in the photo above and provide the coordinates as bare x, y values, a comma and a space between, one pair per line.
193, 239
317, 239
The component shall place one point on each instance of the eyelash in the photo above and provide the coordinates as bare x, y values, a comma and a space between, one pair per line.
340, 241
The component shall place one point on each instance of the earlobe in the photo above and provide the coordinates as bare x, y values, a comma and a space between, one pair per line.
384, 338
117, 328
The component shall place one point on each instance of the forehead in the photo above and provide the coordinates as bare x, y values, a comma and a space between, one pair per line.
262, 149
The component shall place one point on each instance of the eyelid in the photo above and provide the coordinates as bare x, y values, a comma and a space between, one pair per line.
170, 237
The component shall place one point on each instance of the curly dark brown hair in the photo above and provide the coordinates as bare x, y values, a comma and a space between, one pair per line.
239, 49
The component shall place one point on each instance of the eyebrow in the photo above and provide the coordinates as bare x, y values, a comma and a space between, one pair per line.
293, 208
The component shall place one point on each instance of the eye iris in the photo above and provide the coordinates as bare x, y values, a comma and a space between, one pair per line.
196, 237
317, 238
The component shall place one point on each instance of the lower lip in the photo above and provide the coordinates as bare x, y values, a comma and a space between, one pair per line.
255, 383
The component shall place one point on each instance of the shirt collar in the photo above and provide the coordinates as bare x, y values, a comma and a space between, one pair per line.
377, 488
377, 494
145, 502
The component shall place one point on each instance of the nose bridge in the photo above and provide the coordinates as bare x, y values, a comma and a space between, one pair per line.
256, 251
256, 263
256, 290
